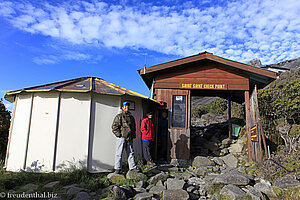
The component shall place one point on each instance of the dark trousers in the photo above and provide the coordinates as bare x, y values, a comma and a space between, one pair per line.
163, 146
146, 150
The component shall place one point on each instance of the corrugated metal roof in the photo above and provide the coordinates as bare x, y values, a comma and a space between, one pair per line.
83, 84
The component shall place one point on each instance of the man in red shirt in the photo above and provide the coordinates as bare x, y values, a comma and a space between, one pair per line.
148, 135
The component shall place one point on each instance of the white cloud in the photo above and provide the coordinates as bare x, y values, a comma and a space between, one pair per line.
239, 30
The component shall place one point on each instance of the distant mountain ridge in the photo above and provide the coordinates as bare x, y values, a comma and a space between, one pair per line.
288, 64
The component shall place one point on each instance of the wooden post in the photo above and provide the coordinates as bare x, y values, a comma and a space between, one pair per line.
246, 94
229, 118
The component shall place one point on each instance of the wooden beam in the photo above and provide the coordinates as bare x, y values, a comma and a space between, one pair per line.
247, 109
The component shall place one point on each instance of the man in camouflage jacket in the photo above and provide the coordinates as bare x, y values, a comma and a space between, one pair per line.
124, 128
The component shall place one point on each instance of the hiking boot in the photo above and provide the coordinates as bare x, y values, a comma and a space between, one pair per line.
150, 163
117, 171
135, 170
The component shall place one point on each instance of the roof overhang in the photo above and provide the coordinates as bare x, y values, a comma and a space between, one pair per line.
79, 85
257, 75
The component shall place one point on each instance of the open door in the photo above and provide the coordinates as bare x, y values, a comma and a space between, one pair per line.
179, 130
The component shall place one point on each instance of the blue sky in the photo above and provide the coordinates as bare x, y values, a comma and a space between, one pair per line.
47, 41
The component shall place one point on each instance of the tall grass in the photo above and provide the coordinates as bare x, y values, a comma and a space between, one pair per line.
14, 180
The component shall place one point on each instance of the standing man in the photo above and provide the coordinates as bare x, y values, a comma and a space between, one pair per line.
124, 128
147, 129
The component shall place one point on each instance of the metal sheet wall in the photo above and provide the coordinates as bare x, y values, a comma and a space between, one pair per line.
18, 135
73, 131
40, 151
103, 142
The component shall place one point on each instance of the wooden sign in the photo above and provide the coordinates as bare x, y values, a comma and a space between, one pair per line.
254, 136
204, 86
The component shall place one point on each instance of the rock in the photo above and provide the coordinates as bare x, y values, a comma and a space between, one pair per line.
230, 160
231, 178
74, 190
82, 196
176, 175
191, 188
286, 182
143, 196
265, 187
194, 196
51, 185
216, 169
157, 190
201, 161
209, 179
196, 181
203, 190
180, 163
116, 178
236, 148
135, 175
174, 184
83, 184
161, 176
255, 62
254, 193
224, 152
119, 193
218, 161
140, 184
29, 191
174, 169
160, 183
233, 192
29, 186
93, 193
226, 142
187, 175
175, 195
72, 185
129, 192
149, 187
201, 171
140, 190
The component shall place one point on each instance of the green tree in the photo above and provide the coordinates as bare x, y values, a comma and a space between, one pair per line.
4, 128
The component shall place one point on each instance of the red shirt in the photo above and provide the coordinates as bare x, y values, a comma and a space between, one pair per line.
147, 129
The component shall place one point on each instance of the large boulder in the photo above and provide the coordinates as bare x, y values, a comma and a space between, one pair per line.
51, 185
175, 195
161, 176
143, 196
82, 196
129, 191
254, 193
29, 186
174, 184
201, 161
135, 175
196, 181
233, 192
119, 193
116, 178
286, 182
157, 190
230, 160
232, 178
201, 171
265, 187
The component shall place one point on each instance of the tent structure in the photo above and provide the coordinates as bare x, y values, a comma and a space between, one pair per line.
68, 123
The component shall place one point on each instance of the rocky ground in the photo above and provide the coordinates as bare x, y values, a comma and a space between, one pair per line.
217, 170
209, 177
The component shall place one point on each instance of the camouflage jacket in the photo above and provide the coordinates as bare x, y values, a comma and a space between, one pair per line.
124, 126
